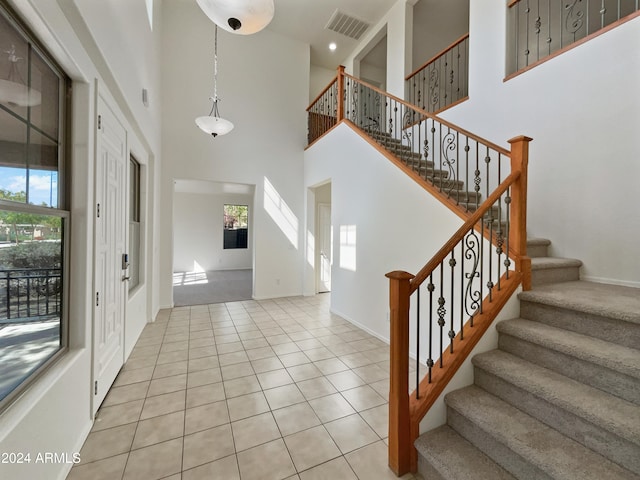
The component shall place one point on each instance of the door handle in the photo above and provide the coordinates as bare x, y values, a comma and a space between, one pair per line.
125, 278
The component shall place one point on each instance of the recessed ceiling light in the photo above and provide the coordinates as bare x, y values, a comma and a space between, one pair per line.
332, 46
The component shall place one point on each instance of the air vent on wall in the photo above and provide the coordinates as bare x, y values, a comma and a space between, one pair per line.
347, 25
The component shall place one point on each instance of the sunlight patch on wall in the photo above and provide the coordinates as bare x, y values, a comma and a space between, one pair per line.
150, 12
311, 249
348, 247
280, 213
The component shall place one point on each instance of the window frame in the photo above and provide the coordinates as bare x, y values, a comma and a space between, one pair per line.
62, 208
135, 210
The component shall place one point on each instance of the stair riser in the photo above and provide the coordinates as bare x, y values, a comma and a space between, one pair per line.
493, 448
554, 275
536, 251
588, 373
622, 333
607, 443
427, 471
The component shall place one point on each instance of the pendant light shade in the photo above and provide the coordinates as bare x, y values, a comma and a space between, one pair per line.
13, 89
239, 16
212, 123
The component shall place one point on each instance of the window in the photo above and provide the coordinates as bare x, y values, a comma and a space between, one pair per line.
134, 224
33, 209
236, 226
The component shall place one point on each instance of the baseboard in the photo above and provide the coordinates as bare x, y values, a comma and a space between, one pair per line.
611, 281
359, 325
269, 297
81, 439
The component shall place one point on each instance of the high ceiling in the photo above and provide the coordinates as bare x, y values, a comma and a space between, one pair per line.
305, 20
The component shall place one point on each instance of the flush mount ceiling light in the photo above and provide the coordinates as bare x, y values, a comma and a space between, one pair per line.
239, 16
212, 123
13, 90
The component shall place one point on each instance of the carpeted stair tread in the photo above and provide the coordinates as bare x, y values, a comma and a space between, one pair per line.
544, 263
614, 301
535, 242
590, 349
528, 439
606, 411
538, 247
454, 458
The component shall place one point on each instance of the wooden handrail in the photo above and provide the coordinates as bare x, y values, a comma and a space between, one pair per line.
437, 55
512, 3
468, 134
424, 272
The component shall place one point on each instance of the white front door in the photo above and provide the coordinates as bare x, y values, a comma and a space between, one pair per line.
325, 247
110, 230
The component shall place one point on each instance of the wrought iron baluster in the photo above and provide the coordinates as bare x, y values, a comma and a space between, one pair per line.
418, 344
603, 11
430, 288
452, 333
527, 11
507, 201
441, 311
462, 296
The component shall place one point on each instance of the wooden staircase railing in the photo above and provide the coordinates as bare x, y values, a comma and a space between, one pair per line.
463, 287
443, 81
466, 284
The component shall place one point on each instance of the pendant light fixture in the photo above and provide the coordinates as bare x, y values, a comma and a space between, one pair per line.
213, 124
13, 90
239, 16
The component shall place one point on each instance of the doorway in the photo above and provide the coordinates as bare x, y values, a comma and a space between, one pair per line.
324, 236
212, 242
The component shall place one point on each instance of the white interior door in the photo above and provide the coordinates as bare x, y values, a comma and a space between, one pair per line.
325, 247
110, 230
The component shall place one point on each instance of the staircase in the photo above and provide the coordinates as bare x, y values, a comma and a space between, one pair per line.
427, 170
559, 398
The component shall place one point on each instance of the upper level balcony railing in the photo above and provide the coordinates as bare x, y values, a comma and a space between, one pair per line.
443, 81
540, 29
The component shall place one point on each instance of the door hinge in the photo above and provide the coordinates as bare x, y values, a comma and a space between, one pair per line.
98, 210
99, 122
95, 387
97, 299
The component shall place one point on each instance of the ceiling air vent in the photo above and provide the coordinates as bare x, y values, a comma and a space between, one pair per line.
347, 25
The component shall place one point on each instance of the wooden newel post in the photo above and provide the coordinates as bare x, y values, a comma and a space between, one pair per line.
518, 230
400, 446
340, 93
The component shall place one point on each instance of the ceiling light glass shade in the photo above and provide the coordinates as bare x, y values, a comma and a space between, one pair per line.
18, 94
239, 16
214, 125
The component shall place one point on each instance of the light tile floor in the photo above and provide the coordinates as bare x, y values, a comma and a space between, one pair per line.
251, 390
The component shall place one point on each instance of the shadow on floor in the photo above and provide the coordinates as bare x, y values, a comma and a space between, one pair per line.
219, 286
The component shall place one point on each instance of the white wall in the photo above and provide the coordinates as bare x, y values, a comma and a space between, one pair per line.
398, 22
54, 414
319, 78
583, 113
399, 226
198, 232
436, 25
263, 82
